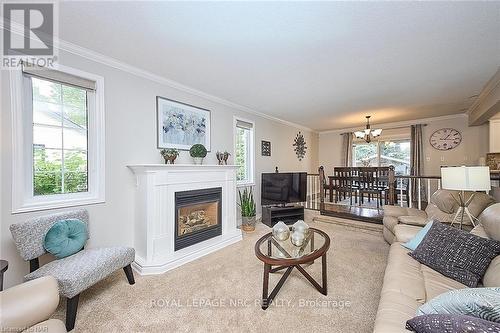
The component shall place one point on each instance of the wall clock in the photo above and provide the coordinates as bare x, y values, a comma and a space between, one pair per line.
445, 139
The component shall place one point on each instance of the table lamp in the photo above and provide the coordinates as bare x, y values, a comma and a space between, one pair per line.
475, 178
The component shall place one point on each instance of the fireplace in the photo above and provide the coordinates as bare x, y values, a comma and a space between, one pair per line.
198, 216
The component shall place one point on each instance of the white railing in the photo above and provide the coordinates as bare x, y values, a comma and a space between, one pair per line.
425, 186
313, 192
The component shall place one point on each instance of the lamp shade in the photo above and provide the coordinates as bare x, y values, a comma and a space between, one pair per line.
476, 178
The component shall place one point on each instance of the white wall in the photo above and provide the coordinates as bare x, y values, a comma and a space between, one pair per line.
474, 145
131, 139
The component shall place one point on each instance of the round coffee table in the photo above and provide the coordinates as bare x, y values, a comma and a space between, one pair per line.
284, 255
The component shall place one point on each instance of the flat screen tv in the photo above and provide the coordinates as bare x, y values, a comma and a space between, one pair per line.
283, 188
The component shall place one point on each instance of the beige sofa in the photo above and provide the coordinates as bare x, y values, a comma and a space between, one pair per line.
27, 307
409, 284
442, 207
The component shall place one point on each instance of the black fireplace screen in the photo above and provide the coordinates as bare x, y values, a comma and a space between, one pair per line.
198, 216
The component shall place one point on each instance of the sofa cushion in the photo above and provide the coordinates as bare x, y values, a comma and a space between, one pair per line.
436, 283
490, 220
477, 302
405, 233
413, 220
445, 201
78, 272
446, 323
479, 203
456, 254
492, 276
434, 213
417, 239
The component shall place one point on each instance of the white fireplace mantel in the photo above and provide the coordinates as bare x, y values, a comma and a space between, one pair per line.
155, 212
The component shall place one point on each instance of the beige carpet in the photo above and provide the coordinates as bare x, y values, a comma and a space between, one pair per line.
221, 292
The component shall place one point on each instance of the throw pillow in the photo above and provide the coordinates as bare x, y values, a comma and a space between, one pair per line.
477, 302
456, 254
417, 239
446, 323
65, 237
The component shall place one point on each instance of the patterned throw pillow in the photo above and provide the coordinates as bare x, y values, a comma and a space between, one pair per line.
477, 302
446, 323
456, 254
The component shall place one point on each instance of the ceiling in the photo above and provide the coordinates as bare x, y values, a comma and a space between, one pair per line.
323, 65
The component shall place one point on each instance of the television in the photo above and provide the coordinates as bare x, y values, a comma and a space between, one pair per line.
283, 188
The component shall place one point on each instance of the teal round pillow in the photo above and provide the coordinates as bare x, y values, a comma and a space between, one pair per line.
66, 237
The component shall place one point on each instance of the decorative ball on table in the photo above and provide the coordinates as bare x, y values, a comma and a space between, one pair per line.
281, 232
198, 152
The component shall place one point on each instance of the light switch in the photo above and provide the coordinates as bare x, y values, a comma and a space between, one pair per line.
428, 158
442, 158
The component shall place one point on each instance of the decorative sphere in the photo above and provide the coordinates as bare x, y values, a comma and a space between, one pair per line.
300, 226
297, 238
281, 231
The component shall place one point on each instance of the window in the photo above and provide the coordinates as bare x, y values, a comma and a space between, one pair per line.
383, 153
58, 138
244, 151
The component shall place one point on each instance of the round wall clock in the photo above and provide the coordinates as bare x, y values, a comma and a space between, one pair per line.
445, 139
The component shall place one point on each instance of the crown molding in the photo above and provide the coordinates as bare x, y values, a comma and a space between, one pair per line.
120, 65
89, 54
399, 123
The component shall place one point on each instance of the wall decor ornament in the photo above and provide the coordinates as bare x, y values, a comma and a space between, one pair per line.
300, 146
265, 148
181, 125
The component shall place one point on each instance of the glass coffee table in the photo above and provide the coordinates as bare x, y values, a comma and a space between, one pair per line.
284, 255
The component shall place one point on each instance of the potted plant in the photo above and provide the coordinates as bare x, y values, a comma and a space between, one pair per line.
169, 155
247, 205
198, 153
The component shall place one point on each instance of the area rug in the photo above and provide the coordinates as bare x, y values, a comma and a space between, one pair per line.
221, 292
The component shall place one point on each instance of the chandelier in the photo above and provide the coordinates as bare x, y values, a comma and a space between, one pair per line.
368, 134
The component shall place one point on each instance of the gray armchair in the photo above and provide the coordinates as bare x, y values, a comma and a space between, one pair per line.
75, 273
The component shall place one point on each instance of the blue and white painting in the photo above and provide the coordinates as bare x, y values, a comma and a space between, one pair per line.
181, 125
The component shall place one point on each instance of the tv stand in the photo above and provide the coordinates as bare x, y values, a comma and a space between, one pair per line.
288, 214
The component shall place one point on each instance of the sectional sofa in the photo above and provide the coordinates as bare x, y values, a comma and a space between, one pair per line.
409, 284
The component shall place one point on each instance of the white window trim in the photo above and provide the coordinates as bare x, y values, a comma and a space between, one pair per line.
23, 199
240, 184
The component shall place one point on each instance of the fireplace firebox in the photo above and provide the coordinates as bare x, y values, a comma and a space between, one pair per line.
198, 216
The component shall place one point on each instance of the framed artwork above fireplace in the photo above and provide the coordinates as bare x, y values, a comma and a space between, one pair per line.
181, 125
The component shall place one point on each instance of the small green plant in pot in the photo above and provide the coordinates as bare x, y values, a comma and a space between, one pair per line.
248, 210
169, 155
198, 153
